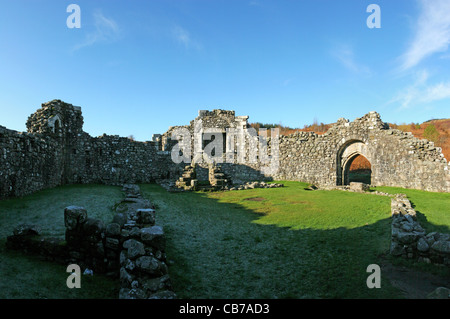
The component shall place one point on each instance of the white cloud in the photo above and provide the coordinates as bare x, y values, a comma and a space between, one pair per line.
420, 92
345, 55
183, 37
437, 92
432, 32
106, 30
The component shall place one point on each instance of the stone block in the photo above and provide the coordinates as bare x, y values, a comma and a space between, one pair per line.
151, 266
359, 187
93, 227
146, 216
441, 247
134, 248
154, 236
113, 230
120, 219
27, 230
74, 216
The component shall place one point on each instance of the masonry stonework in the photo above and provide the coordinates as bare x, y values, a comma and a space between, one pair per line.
55, 151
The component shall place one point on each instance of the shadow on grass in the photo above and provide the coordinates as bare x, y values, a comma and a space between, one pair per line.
220, 249
31, 277
428, 226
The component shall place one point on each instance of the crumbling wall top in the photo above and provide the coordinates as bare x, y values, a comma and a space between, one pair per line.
56, 118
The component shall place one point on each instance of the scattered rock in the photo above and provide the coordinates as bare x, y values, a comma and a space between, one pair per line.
439, 293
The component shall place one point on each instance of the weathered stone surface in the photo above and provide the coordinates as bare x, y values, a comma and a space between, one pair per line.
135, 248
166, 294
154, 236
27, 230
359, 187
150, 265
113, 229
410, 240
146, 216
130, 265
397, 249
441, 246
126, 293
93, 227
120, 219
125, 277
74, 216
55, 149
439, 293
112, 243
422, 245
152, 285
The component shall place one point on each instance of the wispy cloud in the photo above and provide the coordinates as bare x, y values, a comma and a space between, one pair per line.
254, 3
286, 82
420, 92
183, 37
105, 30
437, 92
432, 32
346, 56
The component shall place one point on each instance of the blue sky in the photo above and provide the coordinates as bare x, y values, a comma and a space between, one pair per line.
138, 67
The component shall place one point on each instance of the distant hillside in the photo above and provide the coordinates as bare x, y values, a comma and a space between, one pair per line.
436, 130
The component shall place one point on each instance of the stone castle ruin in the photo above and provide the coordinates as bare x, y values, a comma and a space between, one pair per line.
56, 151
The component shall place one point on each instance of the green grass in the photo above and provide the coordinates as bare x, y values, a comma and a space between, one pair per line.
263, 243
46, 208
29, 277
274, 243
25, 276
433, 209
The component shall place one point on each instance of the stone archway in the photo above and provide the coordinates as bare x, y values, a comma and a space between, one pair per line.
347, 153
354, 174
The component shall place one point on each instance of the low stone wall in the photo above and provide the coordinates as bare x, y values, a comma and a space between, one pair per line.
26, 238
143, 269
131, 247
409, 239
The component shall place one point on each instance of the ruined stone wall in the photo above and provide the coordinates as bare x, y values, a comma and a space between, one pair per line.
409, 239
397, 158
28, 163
116, 160
200, 130
57, 151
131, 247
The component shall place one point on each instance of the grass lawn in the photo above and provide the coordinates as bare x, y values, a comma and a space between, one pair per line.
263, 243
433, 209
274, 243
25, 276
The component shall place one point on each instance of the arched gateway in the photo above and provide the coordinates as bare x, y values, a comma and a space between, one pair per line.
347, 153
